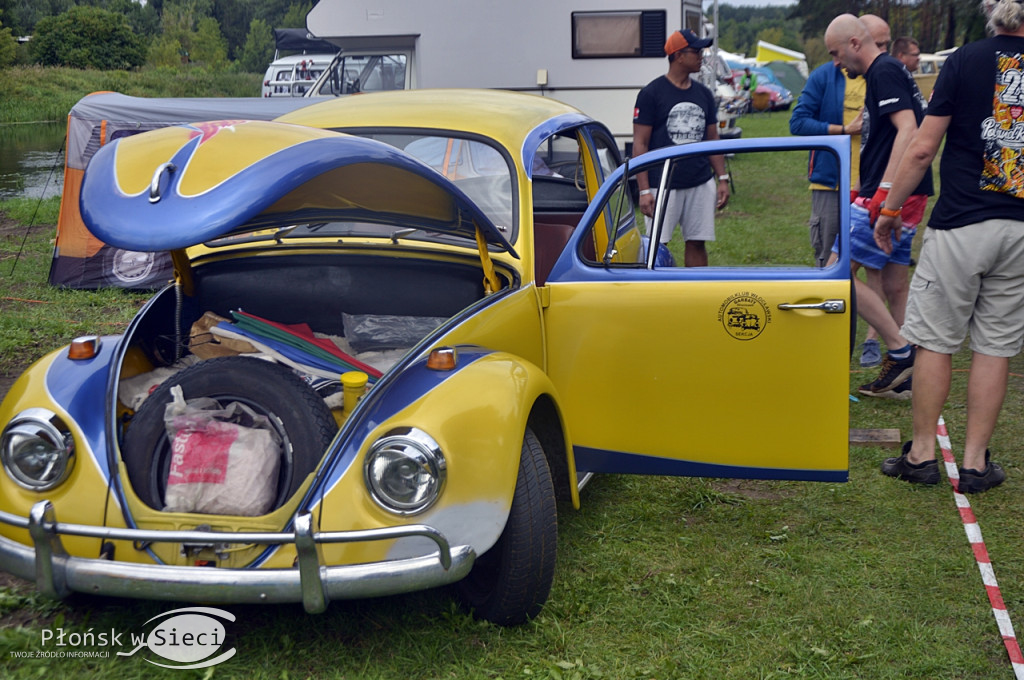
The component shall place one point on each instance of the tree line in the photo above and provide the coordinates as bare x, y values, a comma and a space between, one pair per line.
936, 24
126, 34
238, 34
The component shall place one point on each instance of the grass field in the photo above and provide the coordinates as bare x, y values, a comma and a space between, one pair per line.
658, 577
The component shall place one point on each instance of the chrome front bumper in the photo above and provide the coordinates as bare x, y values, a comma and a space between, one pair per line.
311, 582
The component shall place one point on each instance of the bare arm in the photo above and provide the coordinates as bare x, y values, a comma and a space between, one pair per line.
914, 163
641, 145
906, 125
718, 164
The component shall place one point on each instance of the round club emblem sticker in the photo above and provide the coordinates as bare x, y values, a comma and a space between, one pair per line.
744, 316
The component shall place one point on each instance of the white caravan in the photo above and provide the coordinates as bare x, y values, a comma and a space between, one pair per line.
292, 75
594, 55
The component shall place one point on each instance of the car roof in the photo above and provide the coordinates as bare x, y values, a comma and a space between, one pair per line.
507, 117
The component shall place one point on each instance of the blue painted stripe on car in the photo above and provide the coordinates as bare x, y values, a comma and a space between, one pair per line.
80, 388
600, 461
388, 397
397, 390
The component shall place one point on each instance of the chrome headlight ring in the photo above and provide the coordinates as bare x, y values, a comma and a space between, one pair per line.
37, 450
405, 471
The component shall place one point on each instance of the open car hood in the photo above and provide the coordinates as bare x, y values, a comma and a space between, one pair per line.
183, 185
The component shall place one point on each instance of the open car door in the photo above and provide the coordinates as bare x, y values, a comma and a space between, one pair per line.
738, 369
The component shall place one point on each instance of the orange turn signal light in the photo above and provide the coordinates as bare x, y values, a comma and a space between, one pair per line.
442, 359
84, 347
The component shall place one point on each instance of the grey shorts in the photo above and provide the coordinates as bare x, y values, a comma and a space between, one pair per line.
693, 210
824, 223
969, 280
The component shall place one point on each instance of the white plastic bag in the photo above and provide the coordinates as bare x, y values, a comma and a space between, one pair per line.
224, 461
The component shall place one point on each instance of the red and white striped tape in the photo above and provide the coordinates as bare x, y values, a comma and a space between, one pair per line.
988, 574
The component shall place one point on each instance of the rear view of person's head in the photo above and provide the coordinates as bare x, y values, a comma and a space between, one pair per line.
1004, 16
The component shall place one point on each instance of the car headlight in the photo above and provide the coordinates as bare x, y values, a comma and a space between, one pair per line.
37, 450
405, 471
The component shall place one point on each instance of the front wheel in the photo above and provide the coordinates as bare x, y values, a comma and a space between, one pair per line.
510, 583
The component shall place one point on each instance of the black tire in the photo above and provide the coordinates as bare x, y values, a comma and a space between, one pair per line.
299, 415
510, 583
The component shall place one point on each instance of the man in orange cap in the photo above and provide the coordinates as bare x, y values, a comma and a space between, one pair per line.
676, 109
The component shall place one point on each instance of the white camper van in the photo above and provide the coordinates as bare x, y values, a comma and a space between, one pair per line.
293, 75
594, 55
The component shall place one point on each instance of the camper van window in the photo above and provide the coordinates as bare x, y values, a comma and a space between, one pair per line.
353, 73
618, 34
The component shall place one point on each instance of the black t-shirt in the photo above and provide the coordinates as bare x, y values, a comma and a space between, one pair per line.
890, 88
677, 117
982, 169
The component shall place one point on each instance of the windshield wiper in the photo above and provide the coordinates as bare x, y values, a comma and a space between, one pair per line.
287, 231
402, 233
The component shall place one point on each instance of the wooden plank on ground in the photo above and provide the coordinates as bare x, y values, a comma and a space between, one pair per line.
889, 438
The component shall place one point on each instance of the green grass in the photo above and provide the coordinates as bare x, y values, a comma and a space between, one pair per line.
36, 93
35, 317
658, 577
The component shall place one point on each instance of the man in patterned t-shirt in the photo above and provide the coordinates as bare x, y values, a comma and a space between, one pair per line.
969, 278
676, 109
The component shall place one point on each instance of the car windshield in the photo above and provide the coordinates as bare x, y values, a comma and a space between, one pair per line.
476, 167
479, 169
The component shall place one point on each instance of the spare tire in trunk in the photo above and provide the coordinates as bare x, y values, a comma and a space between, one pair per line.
298, 415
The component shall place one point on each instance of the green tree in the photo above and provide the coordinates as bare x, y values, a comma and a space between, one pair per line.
144, 19
816, 15
87, 37
258, 50
816, 52
234, 17
166, 52
296, 15
189, 30
937, 24
273, 12
208, 45
21, 16
8, 46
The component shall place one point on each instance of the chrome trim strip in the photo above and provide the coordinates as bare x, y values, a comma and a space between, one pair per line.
311, 582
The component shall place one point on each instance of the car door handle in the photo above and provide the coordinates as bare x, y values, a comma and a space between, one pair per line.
827, 306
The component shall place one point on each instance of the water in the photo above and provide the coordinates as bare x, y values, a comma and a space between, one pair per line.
32, 160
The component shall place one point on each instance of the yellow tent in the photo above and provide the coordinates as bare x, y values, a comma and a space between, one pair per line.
767, 52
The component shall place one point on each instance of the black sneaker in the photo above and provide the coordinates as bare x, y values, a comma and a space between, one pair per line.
894, 373
918, 473
903, 391
972, 481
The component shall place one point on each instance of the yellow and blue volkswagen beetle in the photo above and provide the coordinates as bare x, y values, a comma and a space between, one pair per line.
402, 328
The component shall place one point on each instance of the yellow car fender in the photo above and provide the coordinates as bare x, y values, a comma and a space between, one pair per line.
82, 497
478, 417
